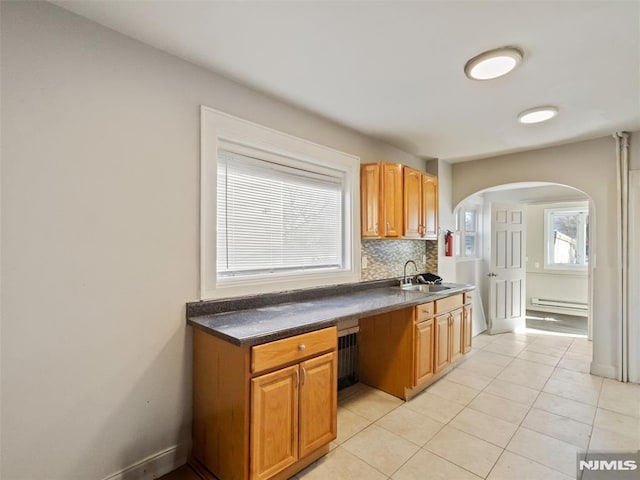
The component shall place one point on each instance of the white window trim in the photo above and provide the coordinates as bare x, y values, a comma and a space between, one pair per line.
548, 241
218, 127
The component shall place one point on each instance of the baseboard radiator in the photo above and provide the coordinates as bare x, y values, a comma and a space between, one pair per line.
347, 357
559, 304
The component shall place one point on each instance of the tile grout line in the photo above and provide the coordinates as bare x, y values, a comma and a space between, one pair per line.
525, 416
467, 405
470, 434
529, 410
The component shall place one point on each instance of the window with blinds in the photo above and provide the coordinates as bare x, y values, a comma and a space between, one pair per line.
277, 217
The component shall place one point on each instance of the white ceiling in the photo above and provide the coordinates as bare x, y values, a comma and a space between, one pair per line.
394, 70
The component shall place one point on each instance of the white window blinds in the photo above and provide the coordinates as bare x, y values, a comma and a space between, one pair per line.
274, 217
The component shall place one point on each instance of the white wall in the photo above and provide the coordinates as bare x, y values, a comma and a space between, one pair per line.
589, 166
634, 258
472, 270
568, 285
446, 221
100, 166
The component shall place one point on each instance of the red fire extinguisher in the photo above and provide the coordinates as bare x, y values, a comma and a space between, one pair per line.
448, 243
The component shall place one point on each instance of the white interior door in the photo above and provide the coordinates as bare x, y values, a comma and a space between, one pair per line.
507, 272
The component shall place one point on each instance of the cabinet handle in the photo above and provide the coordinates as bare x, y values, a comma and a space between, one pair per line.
302, 347
386, 232
375, 229
304, 376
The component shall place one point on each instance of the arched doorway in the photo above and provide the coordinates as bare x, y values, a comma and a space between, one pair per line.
558, 286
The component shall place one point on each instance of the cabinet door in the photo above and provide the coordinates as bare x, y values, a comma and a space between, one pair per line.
370, 199
424, 338
318, 402
430, 206
274, 422
456, 334
412, 193
391, 200
468, 328
442, 355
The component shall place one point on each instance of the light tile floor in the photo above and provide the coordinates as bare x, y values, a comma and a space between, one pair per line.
518, 407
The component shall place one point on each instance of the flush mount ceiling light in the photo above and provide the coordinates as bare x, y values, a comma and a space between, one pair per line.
538, 114
493, 63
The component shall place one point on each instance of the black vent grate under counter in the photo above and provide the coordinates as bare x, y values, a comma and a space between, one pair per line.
347, 358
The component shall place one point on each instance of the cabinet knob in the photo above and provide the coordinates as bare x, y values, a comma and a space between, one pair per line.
302, 347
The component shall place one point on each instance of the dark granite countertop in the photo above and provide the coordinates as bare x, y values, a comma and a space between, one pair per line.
252, 326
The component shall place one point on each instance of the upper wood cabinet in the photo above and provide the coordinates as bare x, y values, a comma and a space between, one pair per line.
420, 204
381, 200
413, 221
430, 206
370, 199
397, 201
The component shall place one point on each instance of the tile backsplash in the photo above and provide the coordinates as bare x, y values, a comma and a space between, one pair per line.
386, 258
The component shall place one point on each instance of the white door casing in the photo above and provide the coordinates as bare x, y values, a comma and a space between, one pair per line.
507, 271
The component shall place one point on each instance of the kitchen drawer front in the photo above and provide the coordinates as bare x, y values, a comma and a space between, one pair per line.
424, 311
468, 297
287, 350
449, 303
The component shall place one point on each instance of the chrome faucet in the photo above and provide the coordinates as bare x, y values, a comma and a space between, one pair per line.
404, 278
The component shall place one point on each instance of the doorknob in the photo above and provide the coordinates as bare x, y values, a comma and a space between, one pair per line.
492, 274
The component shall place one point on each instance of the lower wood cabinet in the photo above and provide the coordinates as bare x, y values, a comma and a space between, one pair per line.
424, 367
263, 412
403, 351
318, 402
456, 334
449, 338
274, 422
468, 328
293, 413
442, 341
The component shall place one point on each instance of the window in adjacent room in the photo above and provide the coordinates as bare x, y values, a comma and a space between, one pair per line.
467, 233
277, 212
566, 233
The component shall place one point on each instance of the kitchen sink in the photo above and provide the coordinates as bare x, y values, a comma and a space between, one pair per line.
425, 288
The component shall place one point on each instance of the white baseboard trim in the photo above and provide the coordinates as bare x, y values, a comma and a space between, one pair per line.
154, 466
608, 371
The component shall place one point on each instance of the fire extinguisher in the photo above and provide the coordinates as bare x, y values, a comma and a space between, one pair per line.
448, 243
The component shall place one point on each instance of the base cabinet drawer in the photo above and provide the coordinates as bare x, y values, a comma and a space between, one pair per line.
449, 303
280, 352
